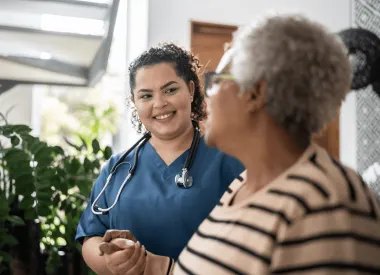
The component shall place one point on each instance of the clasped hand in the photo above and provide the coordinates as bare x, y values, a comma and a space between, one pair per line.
123, 254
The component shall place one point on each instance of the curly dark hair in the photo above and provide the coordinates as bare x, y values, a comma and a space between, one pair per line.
186, 65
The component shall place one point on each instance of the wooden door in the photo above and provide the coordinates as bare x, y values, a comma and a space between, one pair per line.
208, 41
329, 138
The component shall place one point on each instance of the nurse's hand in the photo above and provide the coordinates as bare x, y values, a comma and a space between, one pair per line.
115, 234
124, 257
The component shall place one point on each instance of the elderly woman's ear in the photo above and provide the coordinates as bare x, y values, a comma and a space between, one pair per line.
255, 97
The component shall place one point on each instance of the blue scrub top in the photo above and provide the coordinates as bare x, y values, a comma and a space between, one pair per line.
162, 216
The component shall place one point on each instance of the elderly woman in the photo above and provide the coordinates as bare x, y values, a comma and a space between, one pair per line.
296, 210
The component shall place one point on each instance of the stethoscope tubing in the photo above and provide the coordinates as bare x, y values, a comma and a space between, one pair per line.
96, 210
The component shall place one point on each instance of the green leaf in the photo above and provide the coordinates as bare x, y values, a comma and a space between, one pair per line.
84, 144
56, 200
95, 146
70, 143
87, 165
20, 169
73, 166
9, 129
5, 256
9, 240
43, 209
25, 185
45, 173
107, 152
45, 195
4, 208
27, 202
15, 220
58, 150
33, 144
96, 163
14, 155
44, 156
30, 214
15, 140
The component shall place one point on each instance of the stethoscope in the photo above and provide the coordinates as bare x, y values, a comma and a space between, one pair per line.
183, 180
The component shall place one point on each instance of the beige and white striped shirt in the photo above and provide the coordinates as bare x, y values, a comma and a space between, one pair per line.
318, 217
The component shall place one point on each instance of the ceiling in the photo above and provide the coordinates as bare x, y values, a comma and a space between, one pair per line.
55, 42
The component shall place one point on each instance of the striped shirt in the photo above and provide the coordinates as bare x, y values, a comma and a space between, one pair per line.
318, 217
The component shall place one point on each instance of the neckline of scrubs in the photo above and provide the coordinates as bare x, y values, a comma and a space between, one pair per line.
175, 167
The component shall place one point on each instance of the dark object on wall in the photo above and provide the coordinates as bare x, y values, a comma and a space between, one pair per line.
376, 77
364, 50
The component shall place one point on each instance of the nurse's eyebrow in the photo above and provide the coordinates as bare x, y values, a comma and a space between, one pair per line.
168, 84
161, 88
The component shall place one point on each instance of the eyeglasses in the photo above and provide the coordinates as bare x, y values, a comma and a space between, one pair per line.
212, 81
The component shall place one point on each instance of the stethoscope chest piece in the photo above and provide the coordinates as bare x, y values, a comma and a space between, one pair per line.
184, 180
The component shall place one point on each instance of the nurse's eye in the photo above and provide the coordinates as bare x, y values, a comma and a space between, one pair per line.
171, 90
145, 96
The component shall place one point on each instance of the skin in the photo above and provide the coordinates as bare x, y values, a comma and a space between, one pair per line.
159, 91
239, 125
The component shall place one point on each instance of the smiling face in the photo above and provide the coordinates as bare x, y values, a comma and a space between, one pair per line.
163, 100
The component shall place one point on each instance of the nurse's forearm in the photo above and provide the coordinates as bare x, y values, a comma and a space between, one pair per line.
90, 252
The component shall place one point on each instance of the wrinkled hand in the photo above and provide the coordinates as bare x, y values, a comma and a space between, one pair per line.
124, 257
106, 244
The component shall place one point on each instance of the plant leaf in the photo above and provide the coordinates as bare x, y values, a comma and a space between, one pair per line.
95, 146
16, 220
9, 240
15, 140
9, 129
30, 214
107, 152
43, 209
87, 165
58, 150
6, 257
26, 202
84, 144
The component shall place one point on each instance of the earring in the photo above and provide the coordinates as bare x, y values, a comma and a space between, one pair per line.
191, 98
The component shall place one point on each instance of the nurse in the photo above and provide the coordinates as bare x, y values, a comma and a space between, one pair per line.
159, 212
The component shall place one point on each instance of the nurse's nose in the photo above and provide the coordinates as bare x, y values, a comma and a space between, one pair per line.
160, 101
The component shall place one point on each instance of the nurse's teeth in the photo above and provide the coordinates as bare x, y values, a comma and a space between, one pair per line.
164, 116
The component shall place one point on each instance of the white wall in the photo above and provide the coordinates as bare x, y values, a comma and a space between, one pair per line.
19, 99
137, 41
169, 20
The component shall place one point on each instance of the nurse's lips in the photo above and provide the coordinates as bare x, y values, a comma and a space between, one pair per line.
164, 115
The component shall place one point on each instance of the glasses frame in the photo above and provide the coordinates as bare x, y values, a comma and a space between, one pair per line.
209, 79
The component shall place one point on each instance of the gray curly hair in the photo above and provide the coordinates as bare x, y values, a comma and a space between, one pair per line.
306, 70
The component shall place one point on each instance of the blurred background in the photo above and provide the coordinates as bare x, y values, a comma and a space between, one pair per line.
64, 109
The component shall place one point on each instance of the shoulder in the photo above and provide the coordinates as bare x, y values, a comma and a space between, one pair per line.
214, 155
320, 184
